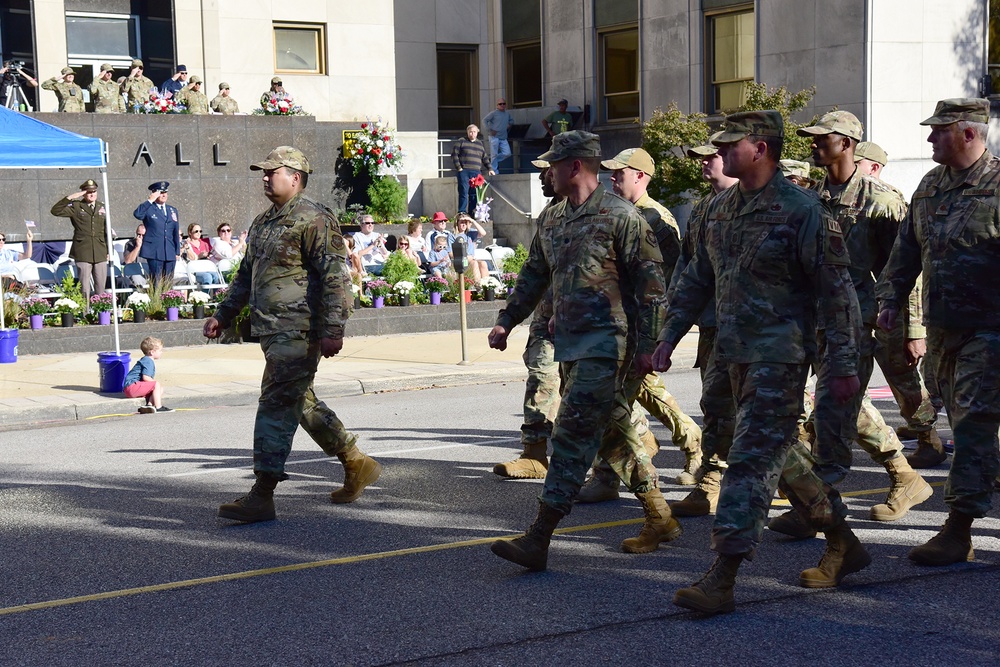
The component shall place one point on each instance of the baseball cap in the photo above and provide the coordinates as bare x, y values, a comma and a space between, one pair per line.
541, 164
575, 143
107, 67
89, 185
223, 85
439, 217
794, 168
835, 122
136, 62
283, 156
636, 158
767, 123
974, 109
868, 150
67, 70
562, 101
194, 79
705, 150
275, 80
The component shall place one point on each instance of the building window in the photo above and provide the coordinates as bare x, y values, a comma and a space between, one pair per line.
524, 75
457, 84
300, 48
101, 35
620, 75
730, 41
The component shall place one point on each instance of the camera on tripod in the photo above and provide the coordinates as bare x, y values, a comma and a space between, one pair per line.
14, 64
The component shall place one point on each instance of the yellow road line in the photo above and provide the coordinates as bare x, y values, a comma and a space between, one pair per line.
347, 560
781, 502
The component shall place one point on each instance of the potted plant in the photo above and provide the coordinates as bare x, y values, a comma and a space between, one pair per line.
198, 300
139, 303
379, 289
435, 285
356, 291
489, 286
509, 280
402, 290
172, 300
102, 304
66, 309
36, 309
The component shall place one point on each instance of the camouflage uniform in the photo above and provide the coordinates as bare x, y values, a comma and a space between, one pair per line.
136, 89
70, 95
195, 100
295, 279
223, 104
541, 391
106, 96
952, 234
602, 262
777, 266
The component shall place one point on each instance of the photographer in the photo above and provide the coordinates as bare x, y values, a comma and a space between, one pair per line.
69, 94
10, 74
370, 246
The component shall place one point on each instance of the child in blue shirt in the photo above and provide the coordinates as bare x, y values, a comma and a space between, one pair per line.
140, 383
439, 258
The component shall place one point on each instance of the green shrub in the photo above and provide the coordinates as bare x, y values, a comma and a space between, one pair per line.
387, 197
513, 263
399, 267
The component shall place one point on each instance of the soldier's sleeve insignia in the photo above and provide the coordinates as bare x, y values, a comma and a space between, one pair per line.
776, 207
833, 226
651, 237
834, 250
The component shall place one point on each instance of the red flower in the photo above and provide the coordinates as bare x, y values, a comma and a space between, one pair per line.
364, 126
385, 138
478, 181
377, 151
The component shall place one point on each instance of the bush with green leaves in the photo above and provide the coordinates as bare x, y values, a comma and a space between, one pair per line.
399, 267
513, 263
388, 198
667, 135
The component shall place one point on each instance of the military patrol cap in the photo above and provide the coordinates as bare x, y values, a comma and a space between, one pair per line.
136, 62
575, 143
973, 109
767, 123
868, 150
541, 164
106, 67
161, 186
636, 158
223, 86
284, 156
794, 168
88, 185
275, 80
835, 122
705, 150
194, 79
67, 70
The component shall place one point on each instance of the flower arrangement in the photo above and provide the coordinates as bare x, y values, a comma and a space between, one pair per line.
436, 284
403, 287
172, 298
509, 280
198, 297
65, 305
375, 149
160, 104
35, 306
280, 104
489, 282
379, 287
219, 295
138, 301
102, 303
479, 184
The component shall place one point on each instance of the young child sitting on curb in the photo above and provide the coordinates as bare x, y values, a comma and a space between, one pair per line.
140, 383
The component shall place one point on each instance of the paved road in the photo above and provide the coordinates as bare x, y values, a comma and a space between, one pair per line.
113, 556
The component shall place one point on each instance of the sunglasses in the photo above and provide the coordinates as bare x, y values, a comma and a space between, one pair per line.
196, 231
501, 104
367, 223
3, 239
404, 245
223, 231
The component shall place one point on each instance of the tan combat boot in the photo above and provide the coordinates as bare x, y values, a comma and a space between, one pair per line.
953, 544
703, 500
597, 489
360, 470
691, 446
908, 490
844, 555
258, 505
531, 550
659, 526
792, 524
713, 593
531, 464
930, 451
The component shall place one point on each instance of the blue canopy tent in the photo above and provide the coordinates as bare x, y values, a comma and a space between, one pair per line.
28, 143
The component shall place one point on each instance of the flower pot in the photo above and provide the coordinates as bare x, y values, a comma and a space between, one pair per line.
67, 319
468, 295
435, 298
404, 299
510, 290
36, 321
172, 314
199, 311
379, 302
104, 317
490, 294
138, 316
357, 301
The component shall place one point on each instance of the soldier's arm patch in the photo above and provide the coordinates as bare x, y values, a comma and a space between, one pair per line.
834, 249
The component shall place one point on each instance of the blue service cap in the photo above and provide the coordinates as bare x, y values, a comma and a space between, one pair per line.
162, 186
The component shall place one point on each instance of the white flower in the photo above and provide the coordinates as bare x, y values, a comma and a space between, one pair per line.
137, 299
489, 282
198, 297
403, 287
356, 288
67, 304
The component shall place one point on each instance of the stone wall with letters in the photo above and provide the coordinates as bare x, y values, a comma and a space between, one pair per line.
206, 159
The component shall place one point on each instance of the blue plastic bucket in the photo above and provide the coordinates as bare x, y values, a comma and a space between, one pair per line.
113, 368
8, 346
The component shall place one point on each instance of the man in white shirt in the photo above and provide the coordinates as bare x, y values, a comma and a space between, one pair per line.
370, 246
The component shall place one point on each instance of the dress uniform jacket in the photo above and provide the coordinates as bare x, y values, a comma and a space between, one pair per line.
162, 241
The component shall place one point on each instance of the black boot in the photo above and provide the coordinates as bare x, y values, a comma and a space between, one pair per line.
258, 505
531, 550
